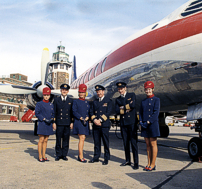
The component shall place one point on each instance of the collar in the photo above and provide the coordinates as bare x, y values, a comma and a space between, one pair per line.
83, 99
64, 98
124, 95
100, 99
150, 96
46, 101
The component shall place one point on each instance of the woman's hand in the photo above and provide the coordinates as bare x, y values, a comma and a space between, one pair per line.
54, 126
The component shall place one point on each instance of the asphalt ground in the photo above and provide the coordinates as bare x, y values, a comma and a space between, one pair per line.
19, 167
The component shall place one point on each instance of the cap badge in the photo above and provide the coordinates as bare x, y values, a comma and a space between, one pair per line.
119, 84
149, 84
97, 87
65, 86
47, 91
84, 88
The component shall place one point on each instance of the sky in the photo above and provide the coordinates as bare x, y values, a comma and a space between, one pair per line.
88, 29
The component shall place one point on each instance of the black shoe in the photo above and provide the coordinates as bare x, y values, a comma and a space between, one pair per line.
57, 158
125, 163
41, 160
65, 158
105, 162
82, 160
93, 160
136, 166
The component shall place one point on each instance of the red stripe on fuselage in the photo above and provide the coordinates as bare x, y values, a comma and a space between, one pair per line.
175, 31
170, 33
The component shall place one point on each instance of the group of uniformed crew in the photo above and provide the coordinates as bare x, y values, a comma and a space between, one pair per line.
61, 115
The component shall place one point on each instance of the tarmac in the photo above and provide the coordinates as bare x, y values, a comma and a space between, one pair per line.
21, 169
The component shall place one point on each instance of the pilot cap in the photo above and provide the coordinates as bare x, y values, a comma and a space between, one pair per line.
46, 91
99, 87
82, 88
121, 84
149, 84
65, 86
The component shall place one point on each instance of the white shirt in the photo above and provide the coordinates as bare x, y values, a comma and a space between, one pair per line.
124, 95
100, 99
63, 98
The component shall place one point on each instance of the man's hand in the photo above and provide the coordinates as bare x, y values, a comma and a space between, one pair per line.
54, 126
71, 126
97, 122
87, 118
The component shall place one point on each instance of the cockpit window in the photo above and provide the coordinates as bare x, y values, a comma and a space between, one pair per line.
194, 7
195, 2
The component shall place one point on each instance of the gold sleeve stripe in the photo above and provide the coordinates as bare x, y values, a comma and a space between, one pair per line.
92, 117
121, 111
104, 117
127, 107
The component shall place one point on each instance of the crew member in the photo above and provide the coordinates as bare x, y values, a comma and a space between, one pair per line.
44, 111
149, 112
126, 108
63, 121
80, 110
100, 112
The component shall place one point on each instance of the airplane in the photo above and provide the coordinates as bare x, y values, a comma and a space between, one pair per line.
167, 52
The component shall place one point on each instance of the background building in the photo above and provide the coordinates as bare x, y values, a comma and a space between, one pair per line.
13, 105
59, 68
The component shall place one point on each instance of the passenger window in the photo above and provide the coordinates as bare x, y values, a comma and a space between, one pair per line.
81, 81
103, 64
90, 74
95, 72
85, 77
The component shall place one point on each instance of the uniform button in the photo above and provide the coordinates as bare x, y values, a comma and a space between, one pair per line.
152, 99
128, 116
61, 109
149, 103
149, 115
96, 112
149, 109
61, 117
61, 113
123, 116
100, 111
66, 114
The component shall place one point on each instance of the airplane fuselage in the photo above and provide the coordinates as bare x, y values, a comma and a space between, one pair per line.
167, 53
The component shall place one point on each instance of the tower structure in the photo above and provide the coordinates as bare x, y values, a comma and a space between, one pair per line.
59, 67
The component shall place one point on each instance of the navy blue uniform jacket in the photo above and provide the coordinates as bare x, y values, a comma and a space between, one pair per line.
44, 110
149, 111
101, 110
63, 111
80, 108
128, 115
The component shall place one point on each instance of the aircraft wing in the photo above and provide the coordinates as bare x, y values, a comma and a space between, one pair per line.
15, 89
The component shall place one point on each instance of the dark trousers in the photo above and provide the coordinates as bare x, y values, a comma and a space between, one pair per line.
98, 133
129, 135
62, 140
